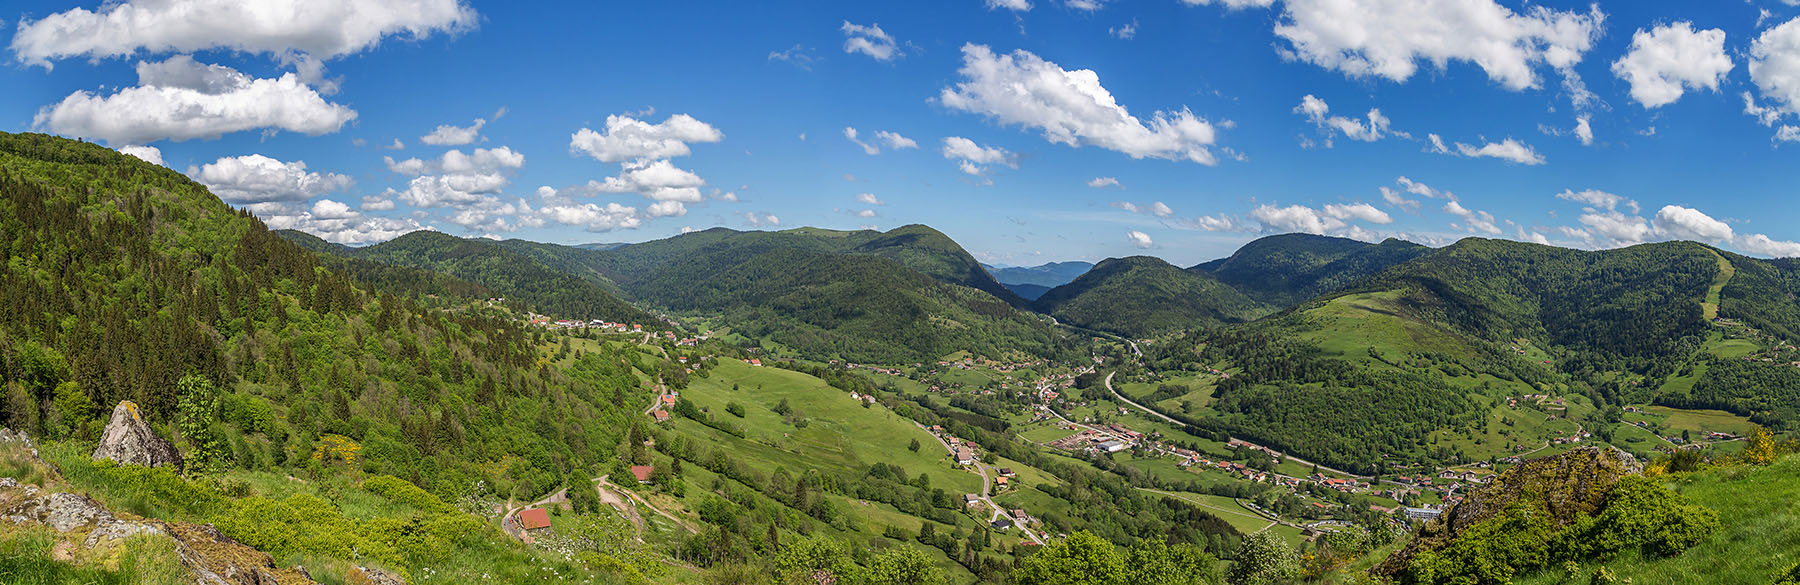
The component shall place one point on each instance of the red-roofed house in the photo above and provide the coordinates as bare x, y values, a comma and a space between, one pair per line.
642, 472
660, 415
534, 519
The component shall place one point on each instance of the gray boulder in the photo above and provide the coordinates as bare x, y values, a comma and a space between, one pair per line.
130, 441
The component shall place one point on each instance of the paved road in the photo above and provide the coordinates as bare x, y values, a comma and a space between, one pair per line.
982, 468
1171, 420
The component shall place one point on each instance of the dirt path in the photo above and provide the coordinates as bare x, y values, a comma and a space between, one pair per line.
646, 503
612, 498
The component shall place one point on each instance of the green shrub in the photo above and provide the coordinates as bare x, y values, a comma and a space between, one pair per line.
401, 491
1639, 514
1791, 577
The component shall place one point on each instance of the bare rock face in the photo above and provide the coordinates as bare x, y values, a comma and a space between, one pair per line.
373, 576
74, 514
216, 559
130, 441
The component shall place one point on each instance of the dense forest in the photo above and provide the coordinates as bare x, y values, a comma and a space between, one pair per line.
1143, 296
1287, 269
125, 277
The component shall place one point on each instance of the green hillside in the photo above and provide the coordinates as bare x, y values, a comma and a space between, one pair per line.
1413, 357
1143, 296
129, 281
1288, 269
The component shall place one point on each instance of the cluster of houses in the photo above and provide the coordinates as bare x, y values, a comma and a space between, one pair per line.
603, 326
664, 404
964, 452
1571, 439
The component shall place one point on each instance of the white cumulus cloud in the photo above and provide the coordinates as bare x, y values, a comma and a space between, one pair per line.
974, 159
593, 217
1510, 150
1104, 182
1300, 218
1391, 38
255, 178
1775, 68
1473, 220
180, 99
1686, 223
324, 28
448, 135
627, 138
1139, 239
1071, 107
1670, 59
1598, 199
893, 140
1319, 113
150, 154
1359, 211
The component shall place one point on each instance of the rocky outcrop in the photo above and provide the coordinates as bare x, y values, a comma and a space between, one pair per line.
81, 521
129, 440
373, 576
216, 559
1576, 482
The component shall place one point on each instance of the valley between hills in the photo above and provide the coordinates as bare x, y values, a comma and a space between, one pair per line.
194, 397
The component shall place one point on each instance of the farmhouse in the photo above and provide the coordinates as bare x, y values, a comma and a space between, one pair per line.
965, 455
534, 519
642, 472
660, 415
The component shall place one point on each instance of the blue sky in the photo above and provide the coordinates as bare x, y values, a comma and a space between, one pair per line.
1029, 130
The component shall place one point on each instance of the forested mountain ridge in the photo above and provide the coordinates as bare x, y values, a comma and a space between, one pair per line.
855, 306
1287, 269
1634, 301
916, 247
906, 295
1050, 275
1142, 296
517, 276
